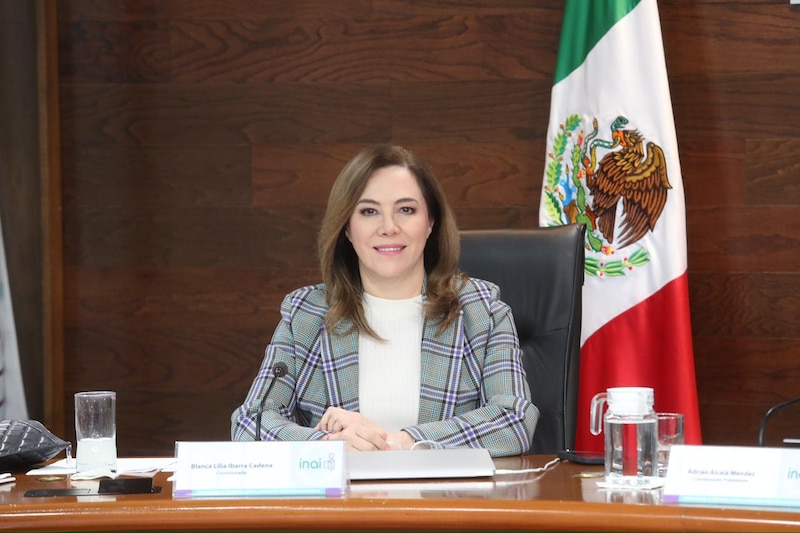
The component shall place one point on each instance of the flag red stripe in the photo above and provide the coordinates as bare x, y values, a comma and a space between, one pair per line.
651, 346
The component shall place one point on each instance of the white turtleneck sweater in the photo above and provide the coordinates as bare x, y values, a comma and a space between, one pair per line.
389, 370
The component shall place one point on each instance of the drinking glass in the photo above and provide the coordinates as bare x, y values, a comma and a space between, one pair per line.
670, 431
96, 430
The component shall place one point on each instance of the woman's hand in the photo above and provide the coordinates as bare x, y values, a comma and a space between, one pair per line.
336, 419
357, 431
399, 440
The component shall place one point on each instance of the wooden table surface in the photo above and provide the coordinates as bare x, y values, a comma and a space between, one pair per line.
564, 498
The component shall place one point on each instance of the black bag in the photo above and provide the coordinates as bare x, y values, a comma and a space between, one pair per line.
25, 443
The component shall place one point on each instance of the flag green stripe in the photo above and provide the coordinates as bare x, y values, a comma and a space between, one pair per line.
585, 23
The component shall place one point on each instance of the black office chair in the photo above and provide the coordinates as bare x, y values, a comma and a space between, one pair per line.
783, 423
540, 275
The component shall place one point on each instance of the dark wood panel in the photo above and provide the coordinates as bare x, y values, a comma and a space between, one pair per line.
497, 217
713, 172
156, 176
474, 175
723, 37
179, 114
115, 52
117, 10
736, 106
471, 112
209, 237
257, 10
759, 371
406, 47
762, 304
773, 171
736, 238
478, 175
213, 297
202, 237
260, 10
731, 424
162, 358
286, 175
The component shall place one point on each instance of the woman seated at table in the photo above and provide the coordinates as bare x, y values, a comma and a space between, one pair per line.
396, 346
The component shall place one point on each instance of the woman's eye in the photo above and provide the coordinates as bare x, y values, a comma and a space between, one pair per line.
407, 210
367, 211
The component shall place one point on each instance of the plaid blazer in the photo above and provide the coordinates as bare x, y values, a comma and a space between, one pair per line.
473, 390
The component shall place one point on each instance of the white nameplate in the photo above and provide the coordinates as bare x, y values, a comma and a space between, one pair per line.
733, 475
258, 469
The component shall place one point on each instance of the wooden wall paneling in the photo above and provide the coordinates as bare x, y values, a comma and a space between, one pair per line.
119, 51
201, 138
731, 423
739, 237
312, 46
199, 368
488, 174
471, 112
111, 175
713, 173
492, 178
52, 281
710, 37
738, 106
139, 296
356, 9
135, 355
761, 304
255, 9
170, 237
772, 171
199, 115
169, 337
158, 420
116, 10
110, 10
752, 371
733, 76
297, 175
311, 49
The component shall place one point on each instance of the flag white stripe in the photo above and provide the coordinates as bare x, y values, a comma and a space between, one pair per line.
613, 60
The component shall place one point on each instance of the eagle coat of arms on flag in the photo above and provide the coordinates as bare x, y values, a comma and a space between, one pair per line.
616, 167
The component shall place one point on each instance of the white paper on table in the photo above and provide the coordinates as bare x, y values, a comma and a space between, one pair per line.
125, 466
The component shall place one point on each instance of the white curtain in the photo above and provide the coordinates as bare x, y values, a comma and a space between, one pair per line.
12, 391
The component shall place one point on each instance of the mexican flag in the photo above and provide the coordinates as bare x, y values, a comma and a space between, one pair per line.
612, 163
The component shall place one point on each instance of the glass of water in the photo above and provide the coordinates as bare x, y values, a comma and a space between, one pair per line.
670, 431
96, 430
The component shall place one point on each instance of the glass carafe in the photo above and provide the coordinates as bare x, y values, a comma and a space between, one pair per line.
630, 425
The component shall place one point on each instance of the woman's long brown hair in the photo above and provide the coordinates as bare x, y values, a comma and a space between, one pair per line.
338, 259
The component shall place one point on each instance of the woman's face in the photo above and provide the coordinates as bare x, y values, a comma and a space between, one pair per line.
388, 229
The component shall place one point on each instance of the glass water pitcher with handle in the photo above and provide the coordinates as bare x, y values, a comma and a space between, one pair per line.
630, 425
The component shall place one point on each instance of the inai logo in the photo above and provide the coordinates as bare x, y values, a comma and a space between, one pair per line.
318, 464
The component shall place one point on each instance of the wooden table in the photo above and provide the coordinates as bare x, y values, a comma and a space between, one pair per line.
564, 498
